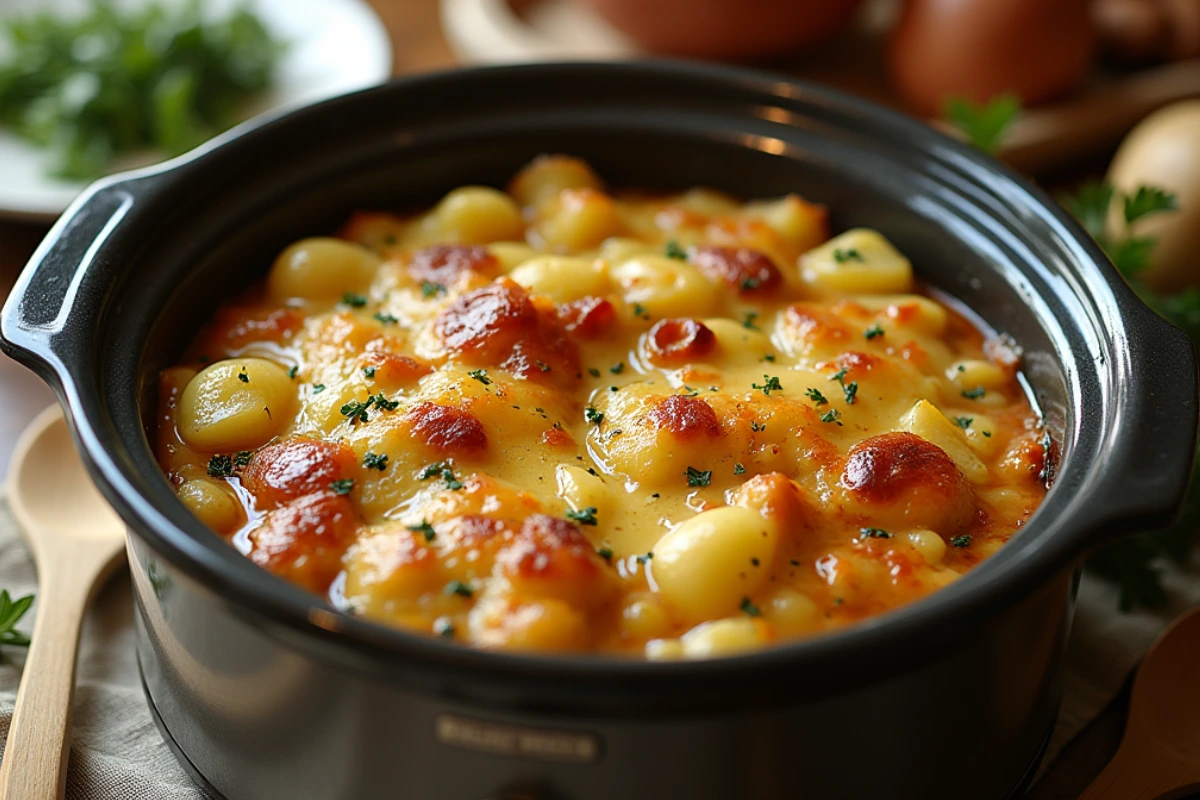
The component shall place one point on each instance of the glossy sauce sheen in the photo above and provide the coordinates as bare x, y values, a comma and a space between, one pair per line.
562, 419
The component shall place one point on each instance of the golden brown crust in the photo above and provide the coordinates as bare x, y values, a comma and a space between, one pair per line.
447, 430
304, 540
748, 271
289, 470
676, 341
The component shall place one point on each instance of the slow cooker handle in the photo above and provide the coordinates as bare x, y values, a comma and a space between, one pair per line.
1147, 471
50, 313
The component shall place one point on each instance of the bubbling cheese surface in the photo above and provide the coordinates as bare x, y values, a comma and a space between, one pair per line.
557, 418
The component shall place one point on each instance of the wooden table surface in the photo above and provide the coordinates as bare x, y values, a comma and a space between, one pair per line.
418, 45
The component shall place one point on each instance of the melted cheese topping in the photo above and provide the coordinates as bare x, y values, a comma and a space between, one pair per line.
557, 418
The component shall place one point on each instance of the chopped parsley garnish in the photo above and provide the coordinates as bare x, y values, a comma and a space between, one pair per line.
443, 470
748, 320
369, 372
292, 372
480, 375
697, 477
386, 319
673, 250
873, 533
974, 394
988, 434
643, 559
750, 284
318, 388
833, 416
849, 254
749, 608
220, 466
605, 553
243, 377
584, 516
738, 469
542, 365
639, 310
771, 384
444, 628
375, 461
357, 410
342, 486
963, 422
354, 300
383, 404
961, 541
593, 416
459, 588
814, 394
873, 331
431, 289
769, 357
617, 368
595, 373
242, 458
424, 528
757, 426
840, 375
850, 390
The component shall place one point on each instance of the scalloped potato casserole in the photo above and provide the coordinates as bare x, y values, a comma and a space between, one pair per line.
559, 418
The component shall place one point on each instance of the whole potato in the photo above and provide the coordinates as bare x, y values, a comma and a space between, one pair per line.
1163, 151
727, 28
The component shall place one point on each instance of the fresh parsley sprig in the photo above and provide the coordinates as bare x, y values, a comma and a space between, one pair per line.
983, 124
11, 612
1135, 563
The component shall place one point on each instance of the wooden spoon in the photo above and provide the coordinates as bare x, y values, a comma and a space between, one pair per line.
76, 541
1159, 756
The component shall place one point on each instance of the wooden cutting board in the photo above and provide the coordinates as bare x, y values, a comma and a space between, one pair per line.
1046, 139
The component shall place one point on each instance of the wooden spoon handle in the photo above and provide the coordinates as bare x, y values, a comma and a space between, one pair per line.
1143, 770
34, 766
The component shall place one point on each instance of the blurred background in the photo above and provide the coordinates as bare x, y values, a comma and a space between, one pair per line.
1053, 87
1098, 100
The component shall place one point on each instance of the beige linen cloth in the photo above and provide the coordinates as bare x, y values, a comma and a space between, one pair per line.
117, 753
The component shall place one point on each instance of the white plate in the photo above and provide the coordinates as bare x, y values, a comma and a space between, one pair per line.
335, 46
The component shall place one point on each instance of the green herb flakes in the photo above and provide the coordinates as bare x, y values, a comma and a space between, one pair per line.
584, 516
375, 461
873, 533
220, 466
425, 529
457, 587
770, 384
